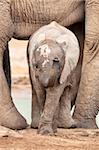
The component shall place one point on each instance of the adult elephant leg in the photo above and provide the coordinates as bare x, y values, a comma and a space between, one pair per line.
9, 116
87, 103
6, 66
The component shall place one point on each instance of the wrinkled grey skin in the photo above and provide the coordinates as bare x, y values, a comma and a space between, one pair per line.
52, 101
19, 19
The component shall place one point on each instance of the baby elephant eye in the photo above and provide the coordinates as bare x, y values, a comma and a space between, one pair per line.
35, 65
55, 59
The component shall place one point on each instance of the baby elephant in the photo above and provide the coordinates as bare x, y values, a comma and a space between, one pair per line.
53, 57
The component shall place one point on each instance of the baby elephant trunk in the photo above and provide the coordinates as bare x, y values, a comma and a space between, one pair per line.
44, 80
48, 79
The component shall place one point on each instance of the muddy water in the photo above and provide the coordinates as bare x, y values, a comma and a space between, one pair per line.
21, 91
22, 99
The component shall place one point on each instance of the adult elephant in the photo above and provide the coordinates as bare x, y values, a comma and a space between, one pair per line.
19, 19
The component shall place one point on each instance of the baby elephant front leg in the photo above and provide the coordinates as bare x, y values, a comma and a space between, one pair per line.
52, 100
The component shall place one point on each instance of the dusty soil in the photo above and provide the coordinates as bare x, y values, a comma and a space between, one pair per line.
65, 139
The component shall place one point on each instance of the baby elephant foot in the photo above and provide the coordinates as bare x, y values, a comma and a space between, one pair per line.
45, 129
35, 123
66, 123
87, 124
12, 119
54, 125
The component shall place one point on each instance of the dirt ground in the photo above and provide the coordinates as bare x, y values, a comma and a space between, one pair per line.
65, 139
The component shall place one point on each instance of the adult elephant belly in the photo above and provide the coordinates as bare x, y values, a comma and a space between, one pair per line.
30, 15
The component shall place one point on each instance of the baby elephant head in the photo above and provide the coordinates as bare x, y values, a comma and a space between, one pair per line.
48, 62
52, 59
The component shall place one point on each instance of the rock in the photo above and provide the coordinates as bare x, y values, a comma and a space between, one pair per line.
5, 132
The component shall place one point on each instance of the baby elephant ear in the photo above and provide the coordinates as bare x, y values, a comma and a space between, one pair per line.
71, 48
35, 39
